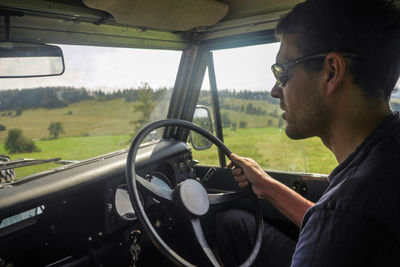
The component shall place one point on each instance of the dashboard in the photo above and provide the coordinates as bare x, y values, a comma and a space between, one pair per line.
65, 216
81, 214
167, 172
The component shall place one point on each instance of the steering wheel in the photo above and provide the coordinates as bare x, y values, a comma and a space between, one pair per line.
189, 195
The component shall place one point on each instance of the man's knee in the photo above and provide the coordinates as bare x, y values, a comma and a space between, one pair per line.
236, 237
234, 222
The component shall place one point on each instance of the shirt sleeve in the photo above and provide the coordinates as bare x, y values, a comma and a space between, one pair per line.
339, 238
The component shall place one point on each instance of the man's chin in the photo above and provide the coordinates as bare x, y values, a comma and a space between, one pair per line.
294, 133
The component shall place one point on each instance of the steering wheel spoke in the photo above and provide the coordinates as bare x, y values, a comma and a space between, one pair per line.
202, 241
220, 198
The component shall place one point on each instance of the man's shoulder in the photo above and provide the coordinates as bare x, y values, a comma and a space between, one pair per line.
378, 161
368, 184
370, 187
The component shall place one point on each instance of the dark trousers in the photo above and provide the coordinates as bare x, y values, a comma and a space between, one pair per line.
236, 236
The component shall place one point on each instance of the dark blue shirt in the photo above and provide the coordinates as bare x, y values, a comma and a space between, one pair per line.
357, 220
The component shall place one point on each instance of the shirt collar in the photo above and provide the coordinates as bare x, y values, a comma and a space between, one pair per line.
386, 127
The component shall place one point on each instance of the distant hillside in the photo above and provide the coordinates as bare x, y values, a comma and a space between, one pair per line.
58, 97
45, 97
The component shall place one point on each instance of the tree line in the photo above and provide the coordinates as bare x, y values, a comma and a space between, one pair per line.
248, 109
41, 97
247, 94
58, 97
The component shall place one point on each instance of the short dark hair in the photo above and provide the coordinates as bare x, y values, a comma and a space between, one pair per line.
370, 29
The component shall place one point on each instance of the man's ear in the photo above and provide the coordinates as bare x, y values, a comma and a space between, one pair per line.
334, 70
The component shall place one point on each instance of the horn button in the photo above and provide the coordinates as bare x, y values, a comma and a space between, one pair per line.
193, 197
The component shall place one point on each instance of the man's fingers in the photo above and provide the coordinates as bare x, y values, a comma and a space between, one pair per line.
240, 178
243, 184
229, 165
237, 171
236, 159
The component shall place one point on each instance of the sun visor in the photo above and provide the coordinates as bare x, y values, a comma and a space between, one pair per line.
170, 15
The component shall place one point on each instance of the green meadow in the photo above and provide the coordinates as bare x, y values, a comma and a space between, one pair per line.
273, 150
85, 118
95, 127
70, 148
268, 146
91, 127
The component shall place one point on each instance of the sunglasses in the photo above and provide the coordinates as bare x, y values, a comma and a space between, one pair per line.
280, 70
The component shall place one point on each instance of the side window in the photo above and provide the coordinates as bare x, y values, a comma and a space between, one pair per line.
251, 117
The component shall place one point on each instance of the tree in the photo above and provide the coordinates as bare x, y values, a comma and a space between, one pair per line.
16, 142
145, 105
225, 120
2, 127
242, 124
18, 112
249, 108
55, 129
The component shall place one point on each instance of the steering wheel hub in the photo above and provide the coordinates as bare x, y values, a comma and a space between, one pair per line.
193, 197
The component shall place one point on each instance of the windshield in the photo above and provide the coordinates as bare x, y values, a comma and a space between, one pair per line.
94, 108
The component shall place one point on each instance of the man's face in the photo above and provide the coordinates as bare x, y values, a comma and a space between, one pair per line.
305, 113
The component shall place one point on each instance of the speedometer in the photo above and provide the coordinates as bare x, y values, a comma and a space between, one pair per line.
123, 204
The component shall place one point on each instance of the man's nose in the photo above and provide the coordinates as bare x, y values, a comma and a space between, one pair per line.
276, 91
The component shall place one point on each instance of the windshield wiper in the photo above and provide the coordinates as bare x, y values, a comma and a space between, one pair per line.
17, 163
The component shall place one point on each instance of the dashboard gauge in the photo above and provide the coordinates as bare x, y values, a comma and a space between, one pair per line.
123, 204
161, 180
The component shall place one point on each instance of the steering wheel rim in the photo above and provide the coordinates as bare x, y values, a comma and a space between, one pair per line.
132, 179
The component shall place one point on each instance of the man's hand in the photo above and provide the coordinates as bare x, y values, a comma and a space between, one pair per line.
286, 200
246, 171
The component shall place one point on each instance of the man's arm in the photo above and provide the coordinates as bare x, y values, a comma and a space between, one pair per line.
287, 201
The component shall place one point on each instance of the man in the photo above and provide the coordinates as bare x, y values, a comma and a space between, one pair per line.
338, 63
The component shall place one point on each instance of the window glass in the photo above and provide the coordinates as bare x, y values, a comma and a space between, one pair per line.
251, 118
94, 108
395, 99
208, 156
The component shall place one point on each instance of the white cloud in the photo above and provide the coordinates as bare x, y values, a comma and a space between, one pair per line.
245, 68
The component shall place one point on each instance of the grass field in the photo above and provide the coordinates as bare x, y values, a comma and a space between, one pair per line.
84, 118
95, 127
252, 119
268, 146
70, 148
273, 150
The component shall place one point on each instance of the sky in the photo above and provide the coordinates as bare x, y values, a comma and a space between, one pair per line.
111, 69
245, 68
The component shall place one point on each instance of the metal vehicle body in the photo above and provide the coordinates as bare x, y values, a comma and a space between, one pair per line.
68, 215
